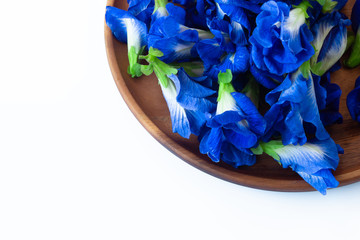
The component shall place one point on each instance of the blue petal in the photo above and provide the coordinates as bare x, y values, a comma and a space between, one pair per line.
196, 120
252, 5
340, 4
320, 92
353, 101
237, 62
235, 157
141, 9
211, 143
313, 162
331, 114
266, 79
256, 122
209, 51
330, 41
296, 104
124, 25
179, 120
355, 16
236, 14
237, 34
174, 49
242, 137
176, 12
224, 119
311, 157
192, 95
221, 30
321, 180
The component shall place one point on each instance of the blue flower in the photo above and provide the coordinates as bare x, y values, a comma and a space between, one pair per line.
265, 78
292, 103
353, 101
221, 53
141, 9
355, 16
329, 42
240, 25
328, 99
128, 29
175, 40
188, 104
252, 5
313, 161
198, 12
236, 126
281, 41
354, 59
237, 62
187, 99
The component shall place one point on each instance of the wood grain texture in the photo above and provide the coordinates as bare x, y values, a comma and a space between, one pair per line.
145, 100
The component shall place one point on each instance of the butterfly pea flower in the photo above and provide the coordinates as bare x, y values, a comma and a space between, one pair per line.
330, 41
353, 101
293, 103
251, 5
237, 62
175, 40
239, 23
266, 79
236, 126
186, 98
314, 161
281, 41
199, 12
212, 50
328, 99
354, 59
141, 9
128, 29
220, 53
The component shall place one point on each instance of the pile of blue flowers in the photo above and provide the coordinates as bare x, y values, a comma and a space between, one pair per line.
248, 77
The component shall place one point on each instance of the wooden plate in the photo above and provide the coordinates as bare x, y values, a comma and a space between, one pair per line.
145, 100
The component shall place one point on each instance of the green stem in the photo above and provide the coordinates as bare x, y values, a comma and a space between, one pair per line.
354, 59
160, 3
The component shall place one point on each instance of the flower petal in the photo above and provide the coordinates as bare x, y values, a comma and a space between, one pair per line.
179, 120
235, 157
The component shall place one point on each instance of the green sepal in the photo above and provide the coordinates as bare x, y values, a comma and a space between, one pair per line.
354, 59
192, 68
321, 2
329, 6
161, 69
270, 148
224, 80
257, 151
147, 69
350, 40
225, 77
305, 69
317, 69
252, 91
304, 5
155, 52
159, 4
134, 68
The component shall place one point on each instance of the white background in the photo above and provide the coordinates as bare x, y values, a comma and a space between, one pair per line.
76, 164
